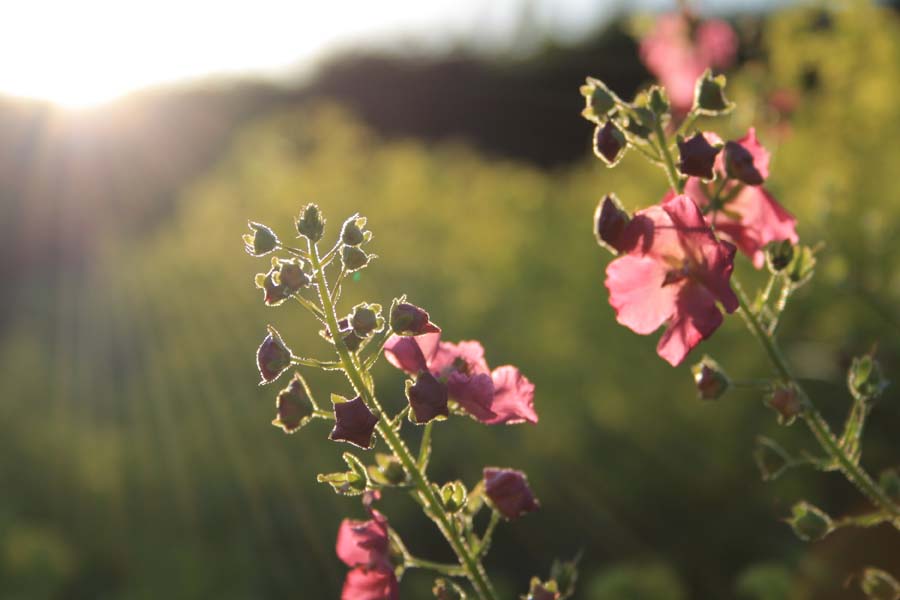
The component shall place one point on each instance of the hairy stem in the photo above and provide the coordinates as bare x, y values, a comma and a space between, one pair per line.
674, 180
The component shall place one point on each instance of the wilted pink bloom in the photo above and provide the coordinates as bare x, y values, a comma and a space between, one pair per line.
354, 423
674, 274
678, 59
509, 492
462, 368
365, 546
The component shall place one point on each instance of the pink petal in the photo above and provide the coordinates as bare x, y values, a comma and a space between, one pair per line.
405, 354
717, 43
362, 543
760, 154
696, 318
513, 397
471, 352
760, 220
636, 292
475, 394
370, 584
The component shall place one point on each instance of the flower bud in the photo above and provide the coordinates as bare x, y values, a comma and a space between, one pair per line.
365, 319
508, 491
802, 266
310, 223
353, 422
779, 255
658, 101
709, 95
293, 406
453, 496
538, 590
348, 483
409, 320
354, 258
427, 398
599, 100
262, 241
865, 378
352, 232
609, 143
889, 480
879, 585
610, 220
786, 403
290, 274
387, 470
697, 156
710, 379
273, 294
739, 164
273, 357
809, 523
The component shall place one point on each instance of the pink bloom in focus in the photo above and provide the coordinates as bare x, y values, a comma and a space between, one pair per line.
674, 274
364, 545
678, 61
501, 396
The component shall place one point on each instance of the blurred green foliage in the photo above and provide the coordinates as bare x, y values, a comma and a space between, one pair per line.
138, 460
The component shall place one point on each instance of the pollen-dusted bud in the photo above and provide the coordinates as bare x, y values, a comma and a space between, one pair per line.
609, 143
610, 220
262, 241
273, 357
710, 379
809, 523
879, 585
508, 492
786, 403
354, 258
599, 100
310, 223
409, 320
739, 164
865, 378
709, 95
352, 232
293, 405
779, 255
697, 156
427, 398
353, 422
366, 319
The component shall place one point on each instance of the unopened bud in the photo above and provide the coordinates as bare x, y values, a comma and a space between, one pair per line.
509, 493
658, 101
262, 241
609, 143
290, 274
273, 294
365, 319
348, 483
387, 470
865, 378
599, 100
785, 401
273, 357
779, 255
697, 156
710, 379
879, 585
802, 266
610, 221
352, 232
354, 258
293, 406
310, 223
739, 164
809, 523
453, 496
542, 590
709, 95
408, 319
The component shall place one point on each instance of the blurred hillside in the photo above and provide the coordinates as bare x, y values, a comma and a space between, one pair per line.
137, 456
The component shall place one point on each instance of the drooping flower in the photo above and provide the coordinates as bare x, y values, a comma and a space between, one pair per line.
674, 274
677, 57
353, 422
409, 319
365, 546
293, 406
273, 357
501, 396
509, 493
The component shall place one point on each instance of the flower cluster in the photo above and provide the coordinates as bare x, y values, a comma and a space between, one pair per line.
446, 379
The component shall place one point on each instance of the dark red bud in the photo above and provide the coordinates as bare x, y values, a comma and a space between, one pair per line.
609, 142
610, 220
273, 357
697, 156
509, 493
293, 406
428, 398
353, 422
409, 319
739, 164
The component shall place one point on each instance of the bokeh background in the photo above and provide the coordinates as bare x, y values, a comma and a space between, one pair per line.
137, 459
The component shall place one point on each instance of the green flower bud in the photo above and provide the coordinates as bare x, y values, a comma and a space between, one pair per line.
452, 495
262, 241
879, 585
310, 223
810, 523
709, 95
658, 102
599, 100
387, 470
779, 255
802, 266
354, 259
865, 378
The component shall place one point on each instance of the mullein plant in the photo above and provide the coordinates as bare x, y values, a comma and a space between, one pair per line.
674, 269
445, 380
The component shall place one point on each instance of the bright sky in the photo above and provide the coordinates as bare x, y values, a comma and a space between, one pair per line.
82, 52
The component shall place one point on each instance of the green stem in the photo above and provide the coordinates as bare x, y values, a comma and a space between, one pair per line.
813, 418
375, 345
671, 172
470, 564
425, 447
687, 124
485, 544
316, 364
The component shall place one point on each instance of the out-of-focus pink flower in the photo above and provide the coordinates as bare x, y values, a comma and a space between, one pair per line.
674, 274
365, 546
501, 396
508, 491
678, 59
752, 218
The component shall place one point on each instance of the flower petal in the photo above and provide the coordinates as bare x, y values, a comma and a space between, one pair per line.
475, 394
405, 354
753, 219
513, 397
370, 584
695, 319
636, 292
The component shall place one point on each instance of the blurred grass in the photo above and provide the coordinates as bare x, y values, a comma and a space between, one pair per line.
138, 457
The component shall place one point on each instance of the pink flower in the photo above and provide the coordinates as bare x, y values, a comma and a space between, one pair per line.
365, 546
678, 61
674, 274
501, 396
752, 218
509, 493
